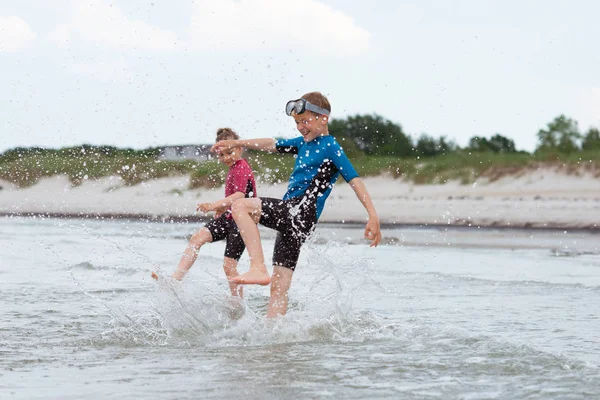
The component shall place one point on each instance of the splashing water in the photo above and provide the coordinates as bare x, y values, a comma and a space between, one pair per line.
81, 316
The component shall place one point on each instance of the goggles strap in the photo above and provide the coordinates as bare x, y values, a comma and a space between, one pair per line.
311, 107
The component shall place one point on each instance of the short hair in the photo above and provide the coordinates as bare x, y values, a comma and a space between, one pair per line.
318, 100
226, 134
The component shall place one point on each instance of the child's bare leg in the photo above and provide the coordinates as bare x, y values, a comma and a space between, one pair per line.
191, 252
230, 268
280, 285
246, 213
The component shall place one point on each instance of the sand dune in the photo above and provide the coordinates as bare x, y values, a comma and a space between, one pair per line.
540, 198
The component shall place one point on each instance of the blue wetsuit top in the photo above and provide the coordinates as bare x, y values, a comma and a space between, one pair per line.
318, 166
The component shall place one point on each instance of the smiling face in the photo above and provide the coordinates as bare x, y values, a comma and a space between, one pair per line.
230, 156
311, 125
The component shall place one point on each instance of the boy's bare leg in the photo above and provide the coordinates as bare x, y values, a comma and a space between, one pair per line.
246, 213
191, 252
280, 285
230, 268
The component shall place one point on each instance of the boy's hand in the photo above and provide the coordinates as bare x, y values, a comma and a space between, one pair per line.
204, 207
219, 209
224, 144
373, 232
154, 275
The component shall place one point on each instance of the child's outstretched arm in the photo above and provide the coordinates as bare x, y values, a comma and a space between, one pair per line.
372, 230
267, 144
220, 205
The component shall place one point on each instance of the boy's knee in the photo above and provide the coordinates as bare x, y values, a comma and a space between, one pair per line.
238, 207
196, 241
199, 238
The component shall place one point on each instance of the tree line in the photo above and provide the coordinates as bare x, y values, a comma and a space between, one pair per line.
375, 135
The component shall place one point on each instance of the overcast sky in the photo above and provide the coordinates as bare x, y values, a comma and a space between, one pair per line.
141, 73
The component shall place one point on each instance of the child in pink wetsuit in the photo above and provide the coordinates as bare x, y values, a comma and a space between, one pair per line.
240, 183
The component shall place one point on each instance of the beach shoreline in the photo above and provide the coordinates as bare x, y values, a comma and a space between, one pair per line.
350, 224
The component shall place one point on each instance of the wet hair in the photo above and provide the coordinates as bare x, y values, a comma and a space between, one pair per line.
226, 134
318, 100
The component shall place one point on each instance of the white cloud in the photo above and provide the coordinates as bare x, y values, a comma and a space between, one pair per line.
274, 24
15, 34
60, 35
245, 25
112, 71
98, 21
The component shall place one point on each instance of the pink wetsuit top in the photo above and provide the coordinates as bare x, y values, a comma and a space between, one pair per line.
240, 179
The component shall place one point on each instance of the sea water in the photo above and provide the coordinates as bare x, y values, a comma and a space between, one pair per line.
431, 313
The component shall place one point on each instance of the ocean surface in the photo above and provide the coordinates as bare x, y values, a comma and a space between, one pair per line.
431, 314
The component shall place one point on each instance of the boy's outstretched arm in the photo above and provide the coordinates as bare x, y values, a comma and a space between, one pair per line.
267, 144
222, 204
372, 231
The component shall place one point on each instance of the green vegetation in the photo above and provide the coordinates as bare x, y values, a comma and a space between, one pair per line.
468, 167
26, 166
375, 145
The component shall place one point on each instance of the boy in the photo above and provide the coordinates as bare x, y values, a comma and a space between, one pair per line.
320, 160
240, 183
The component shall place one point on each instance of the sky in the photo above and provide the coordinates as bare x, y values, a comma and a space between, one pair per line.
142, 73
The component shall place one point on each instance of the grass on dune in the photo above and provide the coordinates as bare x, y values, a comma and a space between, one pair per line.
28, 168
467, 167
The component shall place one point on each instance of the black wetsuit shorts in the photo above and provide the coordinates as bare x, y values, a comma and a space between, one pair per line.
294, 220
224, 227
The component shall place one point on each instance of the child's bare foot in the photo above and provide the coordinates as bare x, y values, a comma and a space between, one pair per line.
256, 276
154, 275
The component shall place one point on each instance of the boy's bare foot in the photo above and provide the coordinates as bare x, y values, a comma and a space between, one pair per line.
256, 276
154, 275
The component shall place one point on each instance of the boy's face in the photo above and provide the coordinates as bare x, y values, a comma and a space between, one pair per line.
310, 125
230, 156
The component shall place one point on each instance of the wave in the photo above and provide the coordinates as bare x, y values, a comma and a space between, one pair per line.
88, 266
506, 282
556, 252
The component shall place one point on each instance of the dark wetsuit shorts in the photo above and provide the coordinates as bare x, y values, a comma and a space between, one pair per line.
224, 227
294, 220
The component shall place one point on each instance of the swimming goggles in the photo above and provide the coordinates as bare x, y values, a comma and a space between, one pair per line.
301, 105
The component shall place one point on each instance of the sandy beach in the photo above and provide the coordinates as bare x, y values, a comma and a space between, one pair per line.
535, 199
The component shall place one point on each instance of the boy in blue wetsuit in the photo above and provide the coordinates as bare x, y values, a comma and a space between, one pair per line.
320, 160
